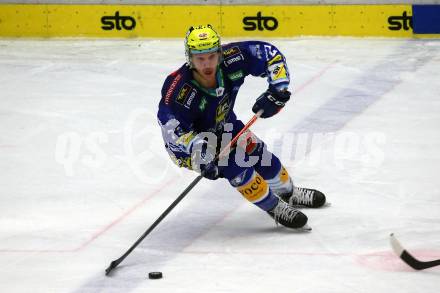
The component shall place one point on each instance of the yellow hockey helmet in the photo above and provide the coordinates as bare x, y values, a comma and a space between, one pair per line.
201, 39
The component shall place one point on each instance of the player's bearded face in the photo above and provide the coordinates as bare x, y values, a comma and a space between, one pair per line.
206, 63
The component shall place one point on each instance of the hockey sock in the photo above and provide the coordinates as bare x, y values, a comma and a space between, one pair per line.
256, 190
281, 183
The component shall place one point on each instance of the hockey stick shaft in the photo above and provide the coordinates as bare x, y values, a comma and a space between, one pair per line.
222, 154
116, 262
408, 258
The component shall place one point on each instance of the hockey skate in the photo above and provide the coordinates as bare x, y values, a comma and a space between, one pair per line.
304, 197
288, 216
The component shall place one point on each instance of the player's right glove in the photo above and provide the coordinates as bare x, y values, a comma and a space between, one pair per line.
203, 159
271, 101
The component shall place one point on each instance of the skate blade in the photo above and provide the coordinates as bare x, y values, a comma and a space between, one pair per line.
305, 228
299, 206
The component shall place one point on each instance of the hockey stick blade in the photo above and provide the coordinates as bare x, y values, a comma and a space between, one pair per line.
112, 265
408, 258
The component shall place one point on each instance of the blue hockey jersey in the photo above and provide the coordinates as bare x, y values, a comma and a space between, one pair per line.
186, 108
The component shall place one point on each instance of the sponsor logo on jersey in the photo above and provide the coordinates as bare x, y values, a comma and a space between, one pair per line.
236, 75
233, 59
277, 71
222, 109
190, 98
171, 89
203, 103
260, 22
231, 52
118, 21
396, 23
183, 94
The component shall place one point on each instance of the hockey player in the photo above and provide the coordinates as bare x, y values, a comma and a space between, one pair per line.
196, 112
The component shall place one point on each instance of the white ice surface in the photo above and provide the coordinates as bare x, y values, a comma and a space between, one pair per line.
83, 172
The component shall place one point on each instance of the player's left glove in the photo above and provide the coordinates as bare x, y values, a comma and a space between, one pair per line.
271, 101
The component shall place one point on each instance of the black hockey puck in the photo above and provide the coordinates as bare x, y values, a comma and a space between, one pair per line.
155, 275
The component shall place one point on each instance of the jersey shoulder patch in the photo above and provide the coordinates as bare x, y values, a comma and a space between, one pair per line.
230, 51
170, 85
232, 54
186, 94
177, 88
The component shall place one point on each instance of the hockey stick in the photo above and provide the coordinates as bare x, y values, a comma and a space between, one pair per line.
222, 154
408, 258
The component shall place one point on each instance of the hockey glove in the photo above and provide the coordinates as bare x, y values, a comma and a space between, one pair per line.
210, 171
271, 101
203, 159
